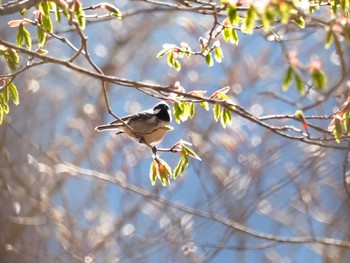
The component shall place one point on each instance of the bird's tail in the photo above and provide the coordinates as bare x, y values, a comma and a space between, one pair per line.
107, 127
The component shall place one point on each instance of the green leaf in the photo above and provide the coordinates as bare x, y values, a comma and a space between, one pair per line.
13, 55
20, 36
11, 58
14, 92
27, 38
80, 16
346, 122
177, 65
284, 12
181, 111
185, 111
329, 39
299, 83
47, 23
42, 51
162, 52
234, 38
57, 13
218, 55
189, 152
45, 8
226, 118
171, 59
6, 108
319, 79
249, 21
216, 111
177, 111
265, 22
117, 13
232, 14
181, 166
300, 21
226, 34
41, 37
209, 60
287, 79
4, 98
191, 114
337, 130
1, 114
205, 105
153, 172
222, 96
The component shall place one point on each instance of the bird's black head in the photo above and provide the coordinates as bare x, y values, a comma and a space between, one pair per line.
162, 111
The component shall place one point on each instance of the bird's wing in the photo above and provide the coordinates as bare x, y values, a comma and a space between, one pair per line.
139, 116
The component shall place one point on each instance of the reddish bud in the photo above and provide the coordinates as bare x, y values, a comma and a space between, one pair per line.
16, 23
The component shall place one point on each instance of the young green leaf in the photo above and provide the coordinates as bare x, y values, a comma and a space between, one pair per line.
319, 79
218, 55
47, 23
57, 13
329, 39
44, 7
1, 114
337, 130
181, 166
11, 58
205, 105
249, 21
181, 111
265, 22
300, 21
162, 52
185, 111
209, 60
118, 14
299, 83
177, 111
226, 34
27, 38
41, 37
177, 65
153, 172
234, 38
216, 111
20, 35
5, 97
189, 152
232, 14
287, 79
171, 59
80, 16
226, 118
191, 114
14, 92
346, 122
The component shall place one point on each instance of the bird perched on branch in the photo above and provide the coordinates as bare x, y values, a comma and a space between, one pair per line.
148, 127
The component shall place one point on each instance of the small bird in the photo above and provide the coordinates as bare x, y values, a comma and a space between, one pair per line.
147, 127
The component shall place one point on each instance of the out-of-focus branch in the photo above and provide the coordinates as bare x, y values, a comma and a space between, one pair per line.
17, 6
75, 170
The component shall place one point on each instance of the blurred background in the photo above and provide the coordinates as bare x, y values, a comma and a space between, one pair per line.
70, 194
